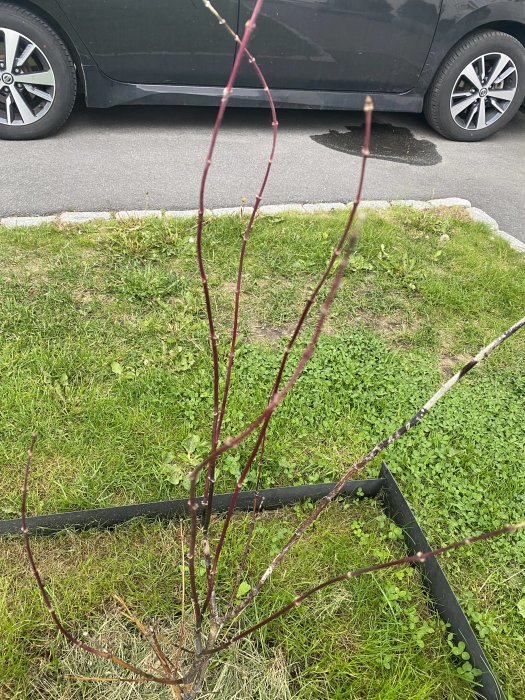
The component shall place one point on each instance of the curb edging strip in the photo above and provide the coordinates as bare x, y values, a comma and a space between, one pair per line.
84, 217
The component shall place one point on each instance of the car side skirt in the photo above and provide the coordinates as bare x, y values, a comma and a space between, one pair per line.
103, 92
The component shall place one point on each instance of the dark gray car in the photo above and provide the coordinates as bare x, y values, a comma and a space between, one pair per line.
461, 61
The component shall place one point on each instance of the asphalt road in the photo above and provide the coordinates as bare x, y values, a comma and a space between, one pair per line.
151, 158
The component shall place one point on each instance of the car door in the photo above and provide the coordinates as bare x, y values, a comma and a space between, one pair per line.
156, 41
352, 45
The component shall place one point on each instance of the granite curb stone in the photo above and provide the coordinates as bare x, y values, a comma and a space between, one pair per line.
475, 213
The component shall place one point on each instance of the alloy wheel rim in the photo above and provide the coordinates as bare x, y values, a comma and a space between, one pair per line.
484, 91
27, 81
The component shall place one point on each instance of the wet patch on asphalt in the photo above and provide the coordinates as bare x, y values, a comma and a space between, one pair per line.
389, 142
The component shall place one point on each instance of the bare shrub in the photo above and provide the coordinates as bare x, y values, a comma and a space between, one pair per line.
182, 665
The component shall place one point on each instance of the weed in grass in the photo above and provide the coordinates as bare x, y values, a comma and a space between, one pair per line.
144, 283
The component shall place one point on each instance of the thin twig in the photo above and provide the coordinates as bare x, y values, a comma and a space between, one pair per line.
183, 603
278, 397
250, 26
366, 459
148, 634
210, 481
417, 558
253, 518
302, 319
209, 487
191, 563
101, 653
241, 569
275, 124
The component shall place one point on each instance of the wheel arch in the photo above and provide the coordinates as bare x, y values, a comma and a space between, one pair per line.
58, 24
458, 21
515, 29
512, 28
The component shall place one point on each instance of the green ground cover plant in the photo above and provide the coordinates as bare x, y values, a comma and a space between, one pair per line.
104, 352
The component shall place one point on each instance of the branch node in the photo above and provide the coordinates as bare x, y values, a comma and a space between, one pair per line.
369, 104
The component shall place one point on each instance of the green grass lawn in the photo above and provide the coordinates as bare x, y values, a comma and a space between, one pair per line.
104, 352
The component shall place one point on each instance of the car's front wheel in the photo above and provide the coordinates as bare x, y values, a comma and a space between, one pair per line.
479, 87
37, 76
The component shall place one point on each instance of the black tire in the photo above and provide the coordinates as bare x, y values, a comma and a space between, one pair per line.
437, 106
47, 40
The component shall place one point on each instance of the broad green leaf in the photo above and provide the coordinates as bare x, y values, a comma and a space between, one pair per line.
243, 590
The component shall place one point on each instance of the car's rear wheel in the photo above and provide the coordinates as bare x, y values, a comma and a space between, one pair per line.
37, 76
479, 87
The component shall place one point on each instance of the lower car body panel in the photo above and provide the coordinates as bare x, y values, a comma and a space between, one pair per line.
101, 91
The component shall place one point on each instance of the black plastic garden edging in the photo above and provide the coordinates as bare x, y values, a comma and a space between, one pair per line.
442, 597
267, 499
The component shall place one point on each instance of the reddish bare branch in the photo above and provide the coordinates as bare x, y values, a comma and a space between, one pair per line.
311, 300
250, 26
366, 459
101, 653
418, 558
210, 481
305, 358
192, 502
255, 208
182, 630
